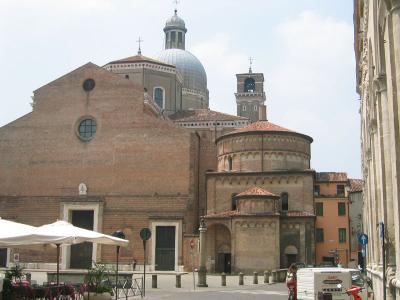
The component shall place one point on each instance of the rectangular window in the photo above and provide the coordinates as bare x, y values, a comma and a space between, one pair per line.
244, 107
341, 209
159, 96
340, 190
173, 36
317, 190
179, 37
319, 209
255, 108
342, 235
319, 235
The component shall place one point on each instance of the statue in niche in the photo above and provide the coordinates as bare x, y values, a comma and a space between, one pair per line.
82, 189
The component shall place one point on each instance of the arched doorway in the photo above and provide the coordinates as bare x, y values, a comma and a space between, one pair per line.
219, 248
290, 255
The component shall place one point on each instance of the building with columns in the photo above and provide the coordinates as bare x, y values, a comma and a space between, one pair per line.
377, 52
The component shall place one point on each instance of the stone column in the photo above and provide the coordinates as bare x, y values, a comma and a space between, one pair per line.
302, 250
393, 86
202, 273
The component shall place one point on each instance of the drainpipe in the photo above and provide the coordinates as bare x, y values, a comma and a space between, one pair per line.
198, 181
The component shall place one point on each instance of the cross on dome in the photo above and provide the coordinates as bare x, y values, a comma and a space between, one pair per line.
139, 42
176, 2
251, 63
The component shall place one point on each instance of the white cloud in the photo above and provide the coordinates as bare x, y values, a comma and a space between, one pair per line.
313, 90
221, 62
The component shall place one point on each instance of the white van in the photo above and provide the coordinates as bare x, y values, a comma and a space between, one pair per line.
312, 281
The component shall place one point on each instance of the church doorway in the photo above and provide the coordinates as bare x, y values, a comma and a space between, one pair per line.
219, 248
290, 255
223, 263
81, 254
165, 248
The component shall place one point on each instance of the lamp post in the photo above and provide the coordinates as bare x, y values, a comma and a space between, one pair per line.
202, 274
119, 234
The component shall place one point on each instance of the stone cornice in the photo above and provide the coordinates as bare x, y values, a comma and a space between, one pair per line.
265, 173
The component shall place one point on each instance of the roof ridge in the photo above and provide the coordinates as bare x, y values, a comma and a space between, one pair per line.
256, 191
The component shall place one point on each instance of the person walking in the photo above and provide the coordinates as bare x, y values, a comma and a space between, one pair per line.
291, 281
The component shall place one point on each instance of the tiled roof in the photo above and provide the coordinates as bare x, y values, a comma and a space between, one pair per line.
233, 213
256, 191
139, 58
331, 176
356, 185
203, 115
263, 126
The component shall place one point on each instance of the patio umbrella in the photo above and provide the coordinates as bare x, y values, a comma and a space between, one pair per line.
65, 233
13, 234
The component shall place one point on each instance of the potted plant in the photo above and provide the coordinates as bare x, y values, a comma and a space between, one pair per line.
98, 283
14, 275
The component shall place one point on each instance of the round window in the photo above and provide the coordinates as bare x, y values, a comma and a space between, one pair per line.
88, 85
87, 129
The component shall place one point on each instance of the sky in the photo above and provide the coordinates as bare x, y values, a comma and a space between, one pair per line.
303, 47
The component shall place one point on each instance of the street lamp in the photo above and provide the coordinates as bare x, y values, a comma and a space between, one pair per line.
119, 234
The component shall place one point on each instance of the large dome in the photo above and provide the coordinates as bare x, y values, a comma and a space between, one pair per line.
193, 72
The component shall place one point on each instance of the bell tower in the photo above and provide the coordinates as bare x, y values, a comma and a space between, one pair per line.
250, 95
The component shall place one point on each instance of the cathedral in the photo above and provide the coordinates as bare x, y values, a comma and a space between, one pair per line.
134, 144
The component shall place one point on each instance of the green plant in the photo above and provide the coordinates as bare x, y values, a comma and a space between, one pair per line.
98, 279
15, 273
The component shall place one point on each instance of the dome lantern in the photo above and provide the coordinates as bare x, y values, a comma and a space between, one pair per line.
175, 31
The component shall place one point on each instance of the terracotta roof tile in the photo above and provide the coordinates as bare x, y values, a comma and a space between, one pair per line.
356, 185
203, 115
331, 176
256, 191
263, 126
139, 58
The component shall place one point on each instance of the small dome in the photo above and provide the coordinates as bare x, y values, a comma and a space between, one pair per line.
175, 22
193, 72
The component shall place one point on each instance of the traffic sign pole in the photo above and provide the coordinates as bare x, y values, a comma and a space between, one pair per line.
145, 235
144, 268
363, 240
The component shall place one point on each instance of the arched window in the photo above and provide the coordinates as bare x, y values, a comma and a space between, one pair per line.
158, 96
285, 201
230, 163
233, 202
249, 85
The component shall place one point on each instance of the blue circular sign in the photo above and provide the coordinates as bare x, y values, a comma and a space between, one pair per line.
363, 239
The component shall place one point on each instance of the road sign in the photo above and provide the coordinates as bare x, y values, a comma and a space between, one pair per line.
363, 251
145, 234
192, 244
363, 239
